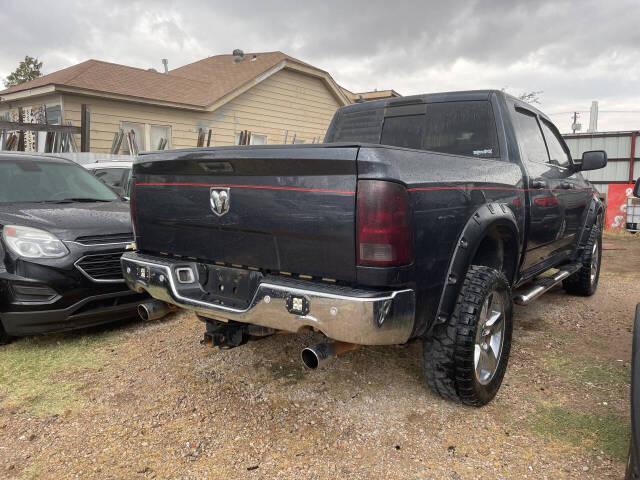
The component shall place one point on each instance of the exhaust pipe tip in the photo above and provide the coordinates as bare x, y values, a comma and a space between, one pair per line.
154, 310
143, 311
316, 355
310, 358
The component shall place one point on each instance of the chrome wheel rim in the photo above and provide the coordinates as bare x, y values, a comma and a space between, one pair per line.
489, 338
594, 262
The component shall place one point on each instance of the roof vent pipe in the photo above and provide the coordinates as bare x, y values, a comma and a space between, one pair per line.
165, 62
238, 55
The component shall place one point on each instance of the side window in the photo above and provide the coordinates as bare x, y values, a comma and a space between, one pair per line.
530, 138
127, 183
110, 176
557, 154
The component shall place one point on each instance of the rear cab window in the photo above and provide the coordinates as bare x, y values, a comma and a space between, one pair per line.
405, 131
460, 128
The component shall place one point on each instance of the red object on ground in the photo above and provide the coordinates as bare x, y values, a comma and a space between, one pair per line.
617, 204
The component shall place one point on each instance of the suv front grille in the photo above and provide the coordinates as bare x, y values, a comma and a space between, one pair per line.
105, 239
101, 267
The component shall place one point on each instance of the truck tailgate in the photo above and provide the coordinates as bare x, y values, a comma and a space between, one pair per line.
289, 208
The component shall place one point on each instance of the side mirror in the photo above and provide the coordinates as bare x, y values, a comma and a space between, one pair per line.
636, 188
593, 160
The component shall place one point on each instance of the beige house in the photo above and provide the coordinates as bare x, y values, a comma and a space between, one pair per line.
368, 96
269, 94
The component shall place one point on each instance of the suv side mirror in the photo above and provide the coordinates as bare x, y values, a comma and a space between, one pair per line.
636, 188
593, 160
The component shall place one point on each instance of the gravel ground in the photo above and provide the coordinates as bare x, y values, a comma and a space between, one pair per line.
156, 404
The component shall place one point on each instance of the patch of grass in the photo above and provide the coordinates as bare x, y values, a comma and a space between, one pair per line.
609, 433
36, 373
586, 370
531, 324
32, 471
293, 371
613, 233
559, 334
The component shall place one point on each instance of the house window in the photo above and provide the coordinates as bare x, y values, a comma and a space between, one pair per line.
158, 134
138, 137
258, 139
255, 139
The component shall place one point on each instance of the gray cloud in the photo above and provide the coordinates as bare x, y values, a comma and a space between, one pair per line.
574, 52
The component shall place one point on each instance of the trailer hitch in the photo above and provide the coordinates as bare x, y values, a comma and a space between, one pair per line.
224, 338
228, 335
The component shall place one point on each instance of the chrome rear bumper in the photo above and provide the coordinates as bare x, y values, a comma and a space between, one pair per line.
344, 314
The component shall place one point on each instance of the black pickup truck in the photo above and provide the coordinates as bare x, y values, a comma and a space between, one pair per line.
421, 217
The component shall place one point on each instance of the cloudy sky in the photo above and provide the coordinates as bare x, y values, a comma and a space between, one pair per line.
574, 52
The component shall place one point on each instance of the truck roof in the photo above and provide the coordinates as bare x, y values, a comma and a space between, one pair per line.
458, 96
117, 164
422, 98
32, 156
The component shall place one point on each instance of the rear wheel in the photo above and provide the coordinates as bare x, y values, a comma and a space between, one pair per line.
465, 358
585, 281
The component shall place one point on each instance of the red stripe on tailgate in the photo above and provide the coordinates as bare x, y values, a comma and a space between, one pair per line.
258, 187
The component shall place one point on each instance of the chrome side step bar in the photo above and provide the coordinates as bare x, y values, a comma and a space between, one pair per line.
543, 285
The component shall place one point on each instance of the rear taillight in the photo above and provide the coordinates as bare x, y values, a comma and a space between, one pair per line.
384, 224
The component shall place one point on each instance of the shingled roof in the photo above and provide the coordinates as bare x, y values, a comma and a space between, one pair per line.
199, 84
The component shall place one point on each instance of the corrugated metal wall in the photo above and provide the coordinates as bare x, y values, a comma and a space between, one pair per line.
613, 172
615, 146
618, 148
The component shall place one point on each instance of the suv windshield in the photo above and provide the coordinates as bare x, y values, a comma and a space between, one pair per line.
46, 181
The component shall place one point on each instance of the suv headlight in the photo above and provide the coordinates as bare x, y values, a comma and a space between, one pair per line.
30, 242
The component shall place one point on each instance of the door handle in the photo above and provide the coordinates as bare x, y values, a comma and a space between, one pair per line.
567, 185
538, 184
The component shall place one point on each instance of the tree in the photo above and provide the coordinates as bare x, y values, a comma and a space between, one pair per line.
28, 69
530, 97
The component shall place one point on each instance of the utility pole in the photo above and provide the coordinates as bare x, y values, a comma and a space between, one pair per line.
575, 126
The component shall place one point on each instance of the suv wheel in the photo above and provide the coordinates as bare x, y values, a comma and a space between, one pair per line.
585, 281
4, 337
466, 357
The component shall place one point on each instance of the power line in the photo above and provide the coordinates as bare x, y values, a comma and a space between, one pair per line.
600, 111
620, 111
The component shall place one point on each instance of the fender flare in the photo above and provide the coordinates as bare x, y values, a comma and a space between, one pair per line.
594, 215
475, 230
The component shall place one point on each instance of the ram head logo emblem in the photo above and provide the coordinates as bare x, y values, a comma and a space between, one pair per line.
219, 198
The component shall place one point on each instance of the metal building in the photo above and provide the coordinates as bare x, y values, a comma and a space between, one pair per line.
623, 151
